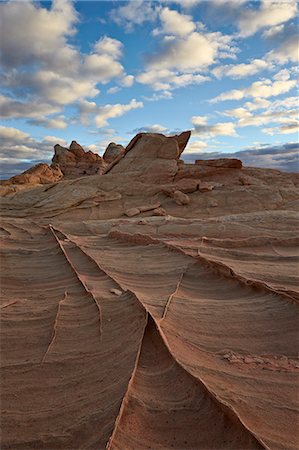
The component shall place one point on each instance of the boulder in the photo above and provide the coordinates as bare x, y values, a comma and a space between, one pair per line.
112, 152
159, 212
180, 198
131, 212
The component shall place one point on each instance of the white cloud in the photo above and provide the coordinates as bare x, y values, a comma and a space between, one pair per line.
113, 90
127, 81
31, 33
108, 46
195, 147
261, 89
10, 108
156, 128
193, 52
40, 61
104, 113
133, 13
201, 127
174, 23
269, 14
289, 128
242, 70
58, 122
12, 134
165, 79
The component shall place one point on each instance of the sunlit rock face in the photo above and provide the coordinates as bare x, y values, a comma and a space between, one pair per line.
151, 304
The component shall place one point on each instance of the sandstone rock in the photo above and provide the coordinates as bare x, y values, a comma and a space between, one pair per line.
40, 174
131, 212
145, 208
77, 149
187, 185
159, 212
181, 198
206, 186
112, 152
152, 157
225, 163
75, 162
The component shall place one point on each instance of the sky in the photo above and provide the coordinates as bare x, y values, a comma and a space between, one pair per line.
102, 71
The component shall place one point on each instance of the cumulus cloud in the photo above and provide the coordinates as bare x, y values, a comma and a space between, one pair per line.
174, 23
165, 79
58, 122
133, 14
237, 71
285, 40
104, 113
282, 157
270, 13
201, 127
19, 150
262, 89
10, 107
156, 128
192, 52
31, 36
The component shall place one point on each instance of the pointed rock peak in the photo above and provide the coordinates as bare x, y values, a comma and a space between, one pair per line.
182, 140
113, 151
76, 149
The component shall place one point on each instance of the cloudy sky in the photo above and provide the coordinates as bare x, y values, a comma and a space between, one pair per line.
101, 71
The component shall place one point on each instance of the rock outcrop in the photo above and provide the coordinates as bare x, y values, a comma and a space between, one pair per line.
112, 152
75, 162
151, 157
40, 174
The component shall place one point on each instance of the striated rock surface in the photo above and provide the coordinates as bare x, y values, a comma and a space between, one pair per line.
152, 306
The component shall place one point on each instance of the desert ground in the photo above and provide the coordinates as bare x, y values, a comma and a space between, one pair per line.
147, 303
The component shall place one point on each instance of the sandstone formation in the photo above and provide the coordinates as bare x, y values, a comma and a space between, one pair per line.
153, 304
40, 174
112, 152
75, 162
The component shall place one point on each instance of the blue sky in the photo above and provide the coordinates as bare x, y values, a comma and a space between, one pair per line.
98, 72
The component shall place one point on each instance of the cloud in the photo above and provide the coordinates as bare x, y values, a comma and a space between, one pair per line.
261, 89
270, 13
288, 128
156, 128
39, 60
282, 157
104, 113
165, 79
133, 14
192, 52
202, 128
236, 71
19, 150
174, 23
37, 32
286, 43
58, 122
11, 108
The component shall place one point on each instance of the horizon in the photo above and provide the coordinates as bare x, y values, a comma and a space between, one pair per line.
103, 71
